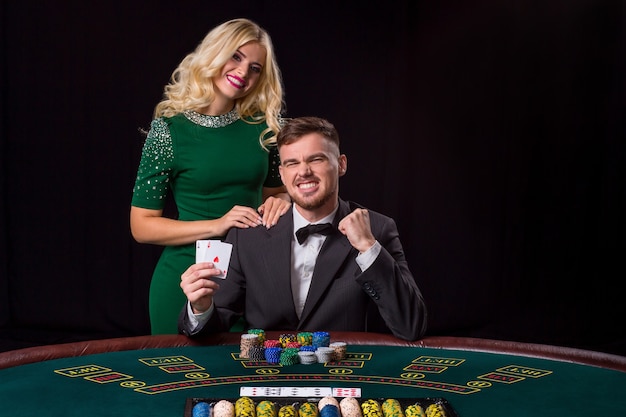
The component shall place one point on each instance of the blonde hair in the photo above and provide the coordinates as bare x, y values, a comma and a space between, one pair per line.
191, 85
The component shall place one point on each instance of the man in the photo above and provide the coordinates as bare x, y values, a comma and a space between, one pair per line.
353, 277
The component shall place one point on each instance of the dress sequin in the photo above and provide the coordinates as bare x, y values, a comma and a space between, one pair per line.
212, 121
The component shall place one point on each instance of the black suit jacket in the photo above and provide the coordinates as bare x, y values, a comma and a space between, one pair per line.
384, 298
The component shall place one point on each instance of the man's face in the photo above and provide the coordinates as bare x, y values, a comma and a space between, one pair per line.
310, 169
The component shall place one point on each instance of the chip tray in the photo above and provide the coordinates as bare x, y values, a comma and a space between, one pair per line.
296, 401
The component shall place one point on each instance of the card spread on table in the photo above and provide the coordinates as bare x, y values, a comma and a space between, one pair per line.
284, 391
214, 251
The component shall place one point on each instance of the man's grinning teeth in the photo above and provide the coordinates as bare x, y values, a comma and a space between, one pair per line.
307, 185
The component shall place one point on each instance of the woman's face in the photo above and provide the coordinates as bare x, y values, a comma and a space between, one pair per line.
241, 72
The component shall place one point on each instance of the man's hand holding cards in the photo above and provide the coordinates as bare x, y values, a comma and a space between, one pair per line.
214, 251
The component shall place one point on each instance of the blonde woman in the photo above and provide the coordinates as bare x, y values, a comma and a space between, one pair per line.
211, 146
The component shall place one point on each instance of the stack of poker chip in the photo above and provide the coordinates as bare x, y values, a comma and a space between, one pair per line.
350, 407
324, 354
289, 356
307, 357
321, 339
223, 408
266, 408
201, 409
392, 408
328, 407
244, 407
287, 338
270, 343
307, 409
339, 350
247, 341
272, 354
261, 334
371, 408
414, 410
287, 411
305, 338
256, 353
288, 349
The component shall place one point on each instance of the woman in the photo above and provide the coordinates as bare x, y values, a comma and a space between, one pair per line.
212, 145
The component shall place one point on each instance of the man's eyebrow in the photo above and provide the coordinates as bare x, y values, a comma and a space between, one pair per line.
308, 158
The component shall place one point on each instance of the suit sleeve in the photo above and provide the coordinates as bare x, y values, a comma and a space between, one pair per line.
391, 285
228, 301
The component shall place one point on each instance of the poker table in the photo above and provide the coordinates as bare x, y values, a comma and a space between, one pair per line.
166, 375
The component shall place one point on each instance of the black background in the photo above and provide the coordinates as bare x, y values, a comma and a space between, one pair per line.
492, 131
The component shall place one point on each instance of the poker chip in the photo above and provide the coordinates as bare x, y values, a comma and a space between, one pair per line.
328, 407
435, 410
289, 356
329, 410
350, 407
392, 408
339, 350
371, 408
307, 357
287, 338
324, 354
256, 353
414, 410
201, 409
260, 333
272, 354
266, 408
244, 407
286, 350
307, 409
305, 338
247, 341
271, 343
287, 411
321, 339
223, 408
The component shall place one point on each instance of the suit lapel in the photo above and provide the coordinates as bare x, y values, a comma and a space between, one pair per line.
276, 252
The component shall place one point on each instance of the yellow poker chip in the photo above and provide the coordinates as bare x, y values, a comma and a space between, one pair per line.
371, 408
287, 411
266, 408
307, 410
244, 407
392, 408
435, 410
414, 410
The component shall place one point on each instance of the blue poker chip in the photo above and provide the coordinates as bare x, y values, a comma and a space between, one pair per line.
329, 410
272, 354
201, 409
321, 339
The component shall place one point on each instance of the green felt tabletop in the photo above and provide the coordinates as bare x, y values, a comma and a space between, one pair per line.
159, 382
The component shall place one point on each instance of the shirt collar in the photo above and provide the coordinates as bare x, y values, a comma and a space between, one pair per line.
299, 221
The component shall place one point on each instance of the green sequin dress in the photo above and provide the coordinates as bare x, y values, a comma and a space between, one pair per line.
210, 164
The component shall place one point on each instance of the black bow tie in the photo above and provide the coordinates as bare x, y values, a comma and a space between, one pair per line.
322, 228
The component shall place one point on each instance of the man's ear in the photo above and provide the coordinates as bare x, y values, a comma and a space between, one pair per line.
343, 165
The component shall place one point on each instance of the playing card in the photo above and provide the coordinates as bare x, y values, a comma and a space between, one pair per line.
214, 251
284, 391
347, 392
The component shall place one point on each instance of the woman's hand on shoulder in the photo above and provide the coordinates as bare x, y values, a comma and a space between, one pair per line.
241, 217
273, 207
